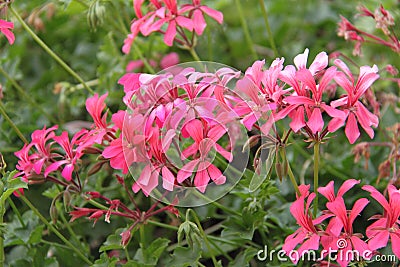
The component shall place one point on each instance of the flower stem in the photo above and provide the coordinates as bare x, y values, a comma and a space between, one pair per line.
27, 97
245, 29
194, 54
2, 212
206, 241
55, 231
12, 124
16, 211
49, 51
293, 179
143, 59
316, 168
216, 204
270, 36
142, 235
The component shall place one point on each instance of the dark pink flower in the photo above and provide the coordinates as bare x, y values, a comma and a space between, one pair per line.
341, 230
307, 235
387, 225
5, 27
70, 154
328, 191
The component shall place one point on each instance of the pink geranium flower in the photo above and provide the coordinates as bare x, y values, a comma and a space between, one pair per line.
5, 27
387, 225
344, 220
123, 151
355, 111
307, 235
71, 155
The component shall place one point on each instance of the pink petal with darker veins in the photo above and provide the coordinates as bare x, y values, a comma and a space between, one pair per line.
351, 130
315, 122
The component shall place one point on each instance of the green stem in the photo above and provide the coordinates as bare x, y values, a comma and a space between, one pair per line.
206, 241
143, 59
2, 212
216, 204
127, 254
194, 54
293, 179
26, 96
49, 51
12, 124
54, 244
16, 211
246, 29
70, 230
142, 235
164, 225
316, 168
270, 36
55, 231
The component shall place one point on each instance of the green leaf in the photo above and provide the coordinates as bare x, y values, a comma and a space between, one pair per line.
36, 235
184, 257
149, 256
113, 241
259, 179
105, 261
235, 230
244, 257
11, 184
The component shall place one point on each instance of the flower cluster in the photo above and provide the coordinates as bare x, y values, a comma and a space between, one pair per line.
166, 17
175, 122
48, 153
338, 234
298, 92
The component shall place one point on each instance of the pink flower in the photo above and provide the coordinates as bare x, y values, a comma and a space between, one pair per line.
205, 170
344, 221
122, 151
95, 106
354, 110
71, 154
198, 18
387, 225
40, 140
312, 107
32, 165
5, 27
308, 234
329, 192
